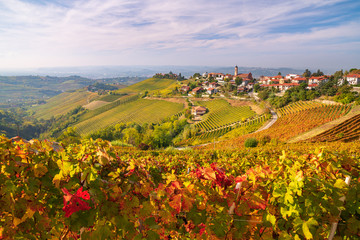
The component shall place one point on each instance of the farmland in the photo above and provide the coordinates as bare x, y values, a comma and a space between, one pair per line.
221, 113
63, 103
150, 84
294, 123
139, 111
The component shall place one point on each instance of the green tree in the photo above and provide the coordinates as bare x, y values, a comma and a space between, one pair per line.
307, 73
256, 87
263, 95
238, 81
69, 136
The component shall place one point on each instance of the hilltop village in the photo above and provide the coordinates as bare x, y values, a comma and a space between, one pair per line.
208, 84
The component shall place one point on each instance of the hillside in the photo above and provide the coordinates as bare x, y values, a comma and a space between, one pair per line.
63, 103
295, 120
139, 111
150, 84
25, 88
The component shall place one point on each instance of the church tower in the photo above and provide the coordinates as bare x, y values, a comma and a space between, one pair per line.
236, 70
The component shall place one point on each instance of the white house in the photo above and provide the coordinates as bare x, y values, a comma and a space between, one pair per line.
353, 79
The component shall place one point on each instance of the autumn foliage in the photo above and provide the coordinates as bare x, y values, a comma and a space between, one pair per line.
94, 191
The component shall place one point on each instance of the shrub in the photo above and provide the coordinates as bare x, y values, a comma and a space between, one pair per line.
251, 142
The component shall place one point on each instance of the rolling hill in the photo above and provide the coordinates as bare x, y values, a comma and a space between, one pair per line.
151, 84
138, 111
63, 103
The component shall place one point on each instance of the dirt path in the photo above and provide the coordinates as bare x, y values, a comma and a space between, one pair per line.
273, 119
316, 131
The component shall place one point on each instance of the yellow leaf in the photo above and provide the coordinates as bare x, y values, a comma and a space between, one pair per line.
56, 180
29, 213
17, 221
40, 170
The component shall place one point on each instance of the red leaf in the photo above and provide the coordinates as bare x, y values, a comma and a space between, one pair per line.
73, 202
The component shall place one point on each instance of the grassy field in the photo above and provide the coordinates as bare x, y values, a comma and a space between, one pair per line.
63, 103
222, 113
151, 84
139, 111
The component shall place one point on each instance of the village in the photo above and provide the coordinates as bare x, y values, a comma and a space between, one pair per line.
219, 84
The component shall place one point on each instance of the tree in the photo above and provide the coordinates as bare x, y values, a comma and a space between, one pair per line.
238, 81
263, 95
307, 73
196, 75
338, 75
256, 87
279, 73
318, 73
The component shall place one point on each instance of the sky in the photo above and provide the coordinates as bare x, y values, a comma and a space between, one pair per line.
300, 34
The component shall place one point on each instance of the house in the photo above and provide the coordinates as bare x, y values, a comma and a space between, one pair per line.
353, 79
198, 110
291, 76
211, 90
213, 84
298, 80
197, 90
281, 87
217, 76
264, 80
312, 86
243, 76
317, 80
184, 89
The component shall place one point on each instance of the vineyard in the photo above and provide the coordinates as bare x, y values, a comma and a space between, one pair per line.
238, 130
107, 107
221, 113
298, 106
150, 84
293, 124
63, 103
349, 130
138, 111
93, 191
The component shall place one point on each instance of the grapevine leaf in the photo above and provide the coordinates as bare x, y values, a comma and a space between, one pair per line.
306, 226
40, 170
340, 184
209, 174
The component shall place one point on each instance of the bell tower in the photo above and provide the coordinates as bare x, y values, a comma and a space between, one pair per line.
236, 70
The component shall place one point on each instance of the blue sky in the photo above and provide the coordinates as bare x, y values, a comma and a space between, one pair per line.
311, 34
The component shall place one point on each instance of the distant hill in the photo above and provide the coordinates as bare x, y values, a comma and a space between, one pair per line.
20, 89
103, 72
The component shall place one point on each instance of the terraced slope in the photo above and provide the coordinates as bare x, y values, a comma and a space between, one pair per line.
139, 111
150, 84
348, 130
293, 124
63, 103
221, 113
298, 106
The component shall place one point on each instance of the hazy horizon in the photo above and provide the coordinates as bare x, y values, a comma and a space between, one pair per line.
314, 34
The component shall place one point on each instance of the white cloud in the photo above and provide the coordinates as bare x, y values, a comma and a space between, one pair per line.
96, 31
